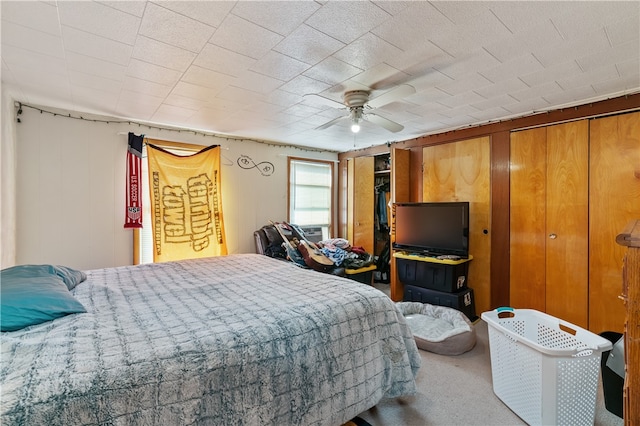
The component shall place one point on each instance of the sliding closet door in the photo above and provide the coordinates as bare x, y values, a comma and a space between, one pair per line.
568, 222
549, 221
461, 171
614, 201
528, 193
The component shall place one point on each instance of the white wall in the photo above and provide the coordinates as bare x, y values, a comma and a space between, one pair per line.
7, 181
71, 188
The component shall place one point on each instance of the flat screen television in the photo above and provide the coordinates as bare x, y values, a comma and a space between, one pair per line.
433, 228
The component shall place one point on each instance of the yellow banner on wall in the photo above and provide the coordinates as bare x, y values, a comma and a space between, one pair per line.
186, 204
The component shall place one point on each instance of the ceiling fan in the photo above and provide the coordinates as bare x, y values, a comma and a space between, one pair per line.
359, 106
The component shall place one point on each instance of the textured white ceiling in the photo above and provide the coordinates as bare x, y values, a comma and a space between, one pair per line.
244, 68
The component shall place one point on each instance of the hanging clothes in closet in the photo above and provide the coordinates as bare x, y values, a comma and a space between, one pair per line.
381, 190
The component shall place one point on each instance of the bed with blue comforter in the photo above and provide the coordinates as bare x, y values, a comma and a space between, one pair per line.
234, 340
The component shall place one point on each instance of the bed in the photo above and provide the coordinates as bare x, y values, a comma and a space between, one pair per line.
235, 340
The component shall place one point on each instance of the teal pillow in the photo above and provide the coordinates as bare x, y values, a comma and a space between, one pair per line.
71, 277
30, 295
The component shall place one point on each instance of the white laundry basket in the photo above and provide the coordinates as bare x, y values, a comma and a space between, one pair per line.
544, 369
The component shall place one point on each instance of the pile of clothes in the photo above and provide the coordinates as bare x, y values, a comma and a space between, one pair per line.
343, 254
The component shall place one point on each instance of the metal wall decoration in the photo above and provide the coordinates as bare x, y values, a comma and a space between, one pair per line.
266, 168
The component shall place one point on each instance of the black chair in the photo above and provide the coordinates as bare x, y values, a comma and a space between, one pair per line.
269, 242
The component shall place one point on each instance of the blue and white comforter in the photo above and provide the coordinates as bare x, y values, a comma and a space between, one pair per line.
235, 340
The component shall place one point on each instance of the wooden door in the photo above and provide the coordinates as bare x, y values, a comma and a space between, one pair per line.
351, 173
549, 221
614, 194
360, 209
527, 219
567, 251
400, 192
461, 171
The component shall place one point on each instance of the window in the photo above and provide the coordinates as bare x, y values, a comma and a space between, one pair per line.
143, 238
310, 195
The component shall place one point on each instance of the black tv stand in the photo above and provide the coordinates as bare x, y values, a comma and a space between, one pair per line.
436, 280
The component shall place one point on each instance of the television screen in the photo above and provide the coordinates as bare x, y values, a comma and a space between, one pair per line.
433, 228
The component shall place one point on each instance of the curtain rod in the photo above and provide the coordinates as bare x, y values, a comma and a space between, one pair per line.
308, 159
167, 140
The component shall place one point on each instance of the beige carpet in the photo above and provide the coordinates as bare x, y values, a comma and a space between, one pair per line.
457, 390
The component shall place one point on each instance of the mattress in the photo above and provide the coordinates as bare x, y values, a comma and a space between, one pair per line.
233, 340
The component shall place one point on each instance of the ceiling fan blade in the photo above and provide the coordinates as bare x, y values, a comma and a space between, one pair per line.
392, 95
331, 123
391, 126
319, 99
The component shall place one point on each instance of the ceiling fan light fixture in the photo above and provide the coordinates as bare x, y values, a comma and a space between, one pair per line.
356, 117
357, 100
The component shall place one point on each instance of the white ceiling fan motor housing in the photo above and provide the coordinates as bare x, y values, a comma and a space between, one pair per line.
356, 98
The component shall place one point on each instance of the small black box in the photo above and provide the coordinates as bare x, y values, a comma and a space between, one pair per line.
612, 384
432, 275
462, 300
363, 275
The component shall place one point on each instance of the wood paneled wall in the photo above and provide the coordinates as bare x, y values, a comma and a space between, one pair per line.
461, 172
499, 134
499, 217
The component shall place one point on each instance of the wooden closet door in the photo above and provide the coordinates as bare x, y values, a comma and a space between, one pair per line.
567, 251
527, 216
360, 211
400, 192
614, 192
461, 171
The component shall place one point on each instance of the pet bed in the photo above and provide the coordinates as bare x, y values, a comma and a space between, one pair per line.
439, 329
